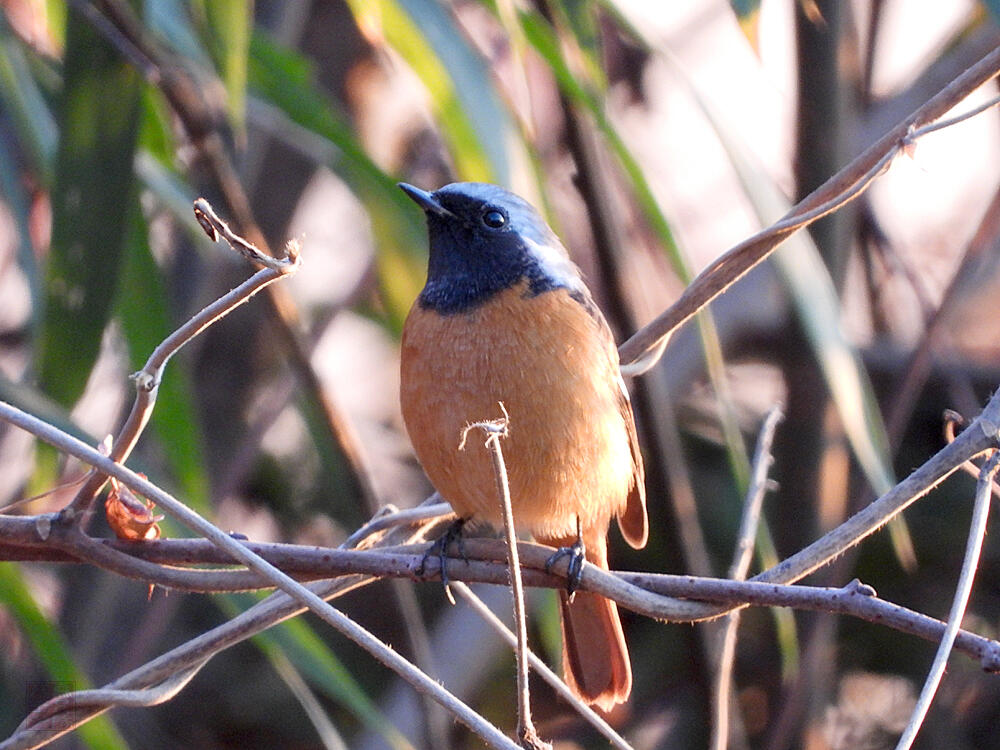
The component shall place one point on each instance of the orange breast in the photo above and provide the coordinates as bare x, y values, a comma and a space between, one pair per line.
555, 371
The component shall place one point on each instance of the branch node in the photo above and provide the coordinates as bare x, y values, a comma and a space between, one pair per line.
990, 660
43, 526
144, 381
857, 588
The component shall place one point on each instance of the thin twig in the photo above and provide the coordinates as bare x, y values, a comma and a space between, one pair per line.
387, 517
215, 228
940, 124
843, 187
278, 578
953, 419
973, 547
742, 556
197, 651
652, 595
147, 380
759, 482
554, 681
204, 123
188, 657
854, 599
144, 697
496, 429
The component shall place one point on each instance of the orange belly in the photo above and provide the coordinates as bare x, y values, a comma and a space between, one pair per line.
568, 452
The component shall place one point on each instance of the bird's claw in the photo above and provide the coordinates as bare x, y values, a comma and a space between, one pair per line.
439, 549
574, 569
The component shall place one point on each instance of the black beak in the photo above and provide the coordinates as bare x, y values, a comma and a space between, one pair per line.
425, 200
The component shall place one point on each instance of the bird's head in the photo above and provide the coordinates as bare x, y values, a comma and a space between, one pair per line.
484, 239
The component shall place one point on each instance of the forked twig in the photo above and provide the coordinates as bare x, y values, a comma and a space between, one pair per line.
147, 380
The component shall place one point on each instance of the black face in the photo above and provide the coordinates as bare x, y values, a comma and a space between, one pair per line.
484, 239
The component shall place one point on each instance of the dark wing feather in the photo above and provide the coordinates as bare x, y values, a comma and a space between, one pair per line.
632, 520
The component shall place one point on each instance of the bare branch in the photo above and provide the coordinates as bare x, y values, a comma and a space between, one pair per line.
592, 717
204, 123
974, 545
738, 570
241, 553
147, 380
836, 192
496, 429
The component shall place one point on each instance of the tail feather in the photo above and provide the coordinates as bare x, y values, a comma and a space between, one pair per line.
595, 658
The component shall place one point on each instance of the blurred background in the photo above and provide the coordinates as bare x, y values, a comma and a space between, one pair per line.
653, 136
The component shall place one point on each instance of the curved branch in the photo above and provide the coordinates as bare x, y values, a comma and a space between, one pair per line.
840, 189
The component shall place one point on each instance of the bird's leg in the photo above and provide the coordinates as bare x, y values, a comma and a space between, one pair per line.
577, 554
439, 549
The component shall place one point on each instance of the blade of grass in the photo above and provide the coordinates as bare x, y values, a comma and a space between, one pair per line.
472, 81
389, 22
53, 653
26, 106
226, 32
297, 641
284, 80
544, 40
98, 121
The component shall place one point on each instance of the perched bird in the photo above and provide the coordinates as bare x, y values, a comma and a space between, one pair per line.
505, 316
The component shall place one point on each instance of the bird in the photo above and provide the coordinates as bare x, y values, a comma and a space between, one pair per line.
505, 316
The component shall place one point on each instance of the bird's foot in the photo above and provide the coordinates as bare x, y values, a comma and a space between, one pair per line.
574, 570
439, 549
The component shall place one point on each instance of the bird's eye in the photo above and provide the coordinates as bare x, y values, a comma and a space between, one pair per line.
494, 219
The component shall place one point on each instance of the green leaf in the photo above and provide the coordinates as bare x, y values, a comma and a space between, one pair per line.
818, 307
53, 653
172, 20
472, 82
56, 14
403, 33
26, 106
993, 6
284, 80
98, 120
227, 32
543, 38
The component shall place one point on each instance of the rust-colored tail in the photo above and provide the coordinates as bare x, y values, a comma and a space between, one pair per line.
595, 658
